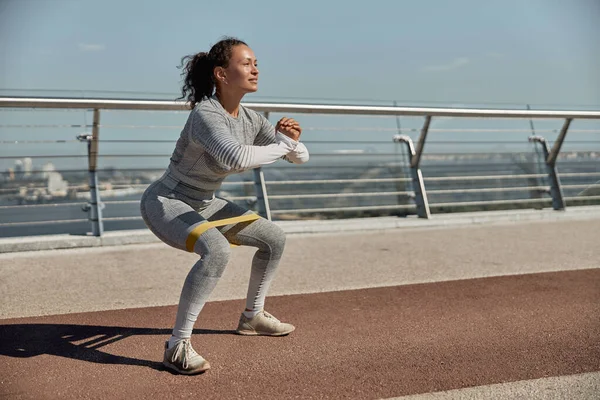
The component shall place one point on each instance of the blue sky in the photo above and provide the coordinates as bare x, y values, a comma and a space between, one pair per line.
458, 53
543, 52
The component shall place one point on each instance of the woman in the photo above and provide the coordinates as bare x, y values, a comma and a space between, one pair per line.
221, 137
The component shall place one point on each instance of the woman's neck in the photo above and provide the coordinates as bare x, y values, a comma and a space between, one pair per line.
230, 102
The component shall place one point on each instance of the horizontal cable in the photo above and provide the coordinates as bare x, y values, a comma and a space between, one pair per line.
106, 169
42, 110
445, 142
583, 198
47, 156
457, 142
319, 181
591, 185
118, 186
313, 128
344, 154
135, 141
17, 189
42, 205
432, 179
169, 155
578, 174
37, 141
133, 155
144, 185
142, 126
490, 202
122, 219
291, 196
328, 195
60, 221
46, 126
490, 190
131, 186
481, 177
245, 183
442, 130
336, 209
120, 201
431, 164
361, 153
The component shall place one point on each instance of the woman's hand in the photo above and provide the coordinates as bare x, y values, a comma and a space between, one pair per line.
289, 127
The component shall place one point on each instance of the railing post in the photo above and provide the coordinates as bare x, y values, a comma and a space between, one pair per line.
417, 177
260, 187
416, 160
261, 193
558, 202
94, 207
551, 158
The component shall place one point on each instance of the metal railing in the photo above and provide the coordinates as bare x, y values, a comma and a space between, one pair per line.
415, 199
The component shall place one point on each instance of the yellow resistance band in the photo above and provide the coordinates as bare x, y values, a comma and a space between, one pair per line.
200, 229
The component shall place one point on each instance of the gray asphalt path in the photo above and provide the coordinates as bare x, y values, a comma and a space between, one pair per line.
94, 279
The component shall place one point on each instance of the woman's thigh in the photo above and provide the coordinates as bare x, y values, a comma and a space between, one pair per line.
260, 233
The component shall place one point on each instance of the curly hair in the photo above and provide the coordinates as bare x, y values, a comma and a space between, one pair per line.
198, 69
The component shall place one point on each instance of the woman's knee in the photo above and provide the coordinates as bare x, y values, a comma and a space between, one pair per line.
214, 250
272, 238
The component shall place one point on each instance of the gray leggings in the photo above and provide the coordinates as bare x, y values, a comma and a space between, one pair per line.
171, 215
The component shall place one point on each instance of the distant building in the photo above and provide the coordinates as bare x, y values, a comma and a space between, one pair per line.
56, 185
19, 169
46, 169
27, 166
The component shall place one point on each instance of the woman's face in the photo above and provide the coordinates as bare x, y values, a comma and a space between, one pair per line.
242, 72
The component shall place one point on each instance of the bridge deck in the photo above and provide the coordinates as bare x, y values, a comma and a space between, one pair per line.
379, 314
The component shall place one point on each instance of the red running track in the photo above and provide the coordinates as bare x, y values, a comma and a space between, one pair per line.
369, 343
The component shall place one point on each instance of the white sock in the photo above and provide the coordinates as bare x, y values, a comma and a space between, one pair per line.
173, 341
251, 314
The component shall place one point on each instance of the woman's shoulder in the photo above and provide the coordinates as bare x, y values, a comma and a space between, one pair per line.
207, 108
252, 115
206, 105
205, 114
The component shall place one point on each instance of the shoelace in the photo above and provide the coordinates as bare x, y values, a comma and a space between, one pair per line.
266, 314
187, 350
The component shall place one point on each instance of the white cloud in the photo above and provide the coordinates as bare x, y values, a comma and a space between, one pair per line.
456, 63
91, 47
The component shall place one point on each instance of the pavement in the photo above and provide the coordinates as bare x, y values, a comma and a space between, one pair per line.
468, 307
139, 236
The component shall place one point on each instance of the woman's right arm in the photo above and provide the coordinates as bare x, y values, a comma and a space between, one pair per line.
209, 130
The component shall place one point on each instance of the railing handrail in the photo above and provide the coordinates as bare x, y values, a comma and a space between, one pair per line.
414, 151
156, 105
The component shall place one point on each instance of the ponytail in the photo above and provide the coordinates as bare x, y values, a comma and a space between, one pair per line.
197, 70
198, 82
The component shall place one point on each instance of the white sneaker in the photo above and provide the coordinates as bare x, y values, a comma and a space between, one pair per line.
265, 324
182, 358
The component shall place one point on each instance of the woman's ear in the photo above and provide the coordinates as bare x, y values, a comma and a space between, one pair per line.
220, 75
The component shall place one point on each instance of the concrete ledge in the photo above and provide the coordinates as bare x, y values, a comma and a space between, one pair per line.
141, 236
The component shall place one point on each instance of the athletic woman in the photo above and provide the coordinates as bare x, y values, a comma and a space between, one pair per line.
221, 137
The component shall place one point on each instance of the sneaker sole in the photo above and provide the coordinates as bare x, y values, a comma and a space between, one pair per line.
255, 333
203, 368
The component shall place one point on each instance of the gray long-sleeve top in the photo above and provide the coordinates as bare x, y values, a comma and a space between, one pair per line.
213, 144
